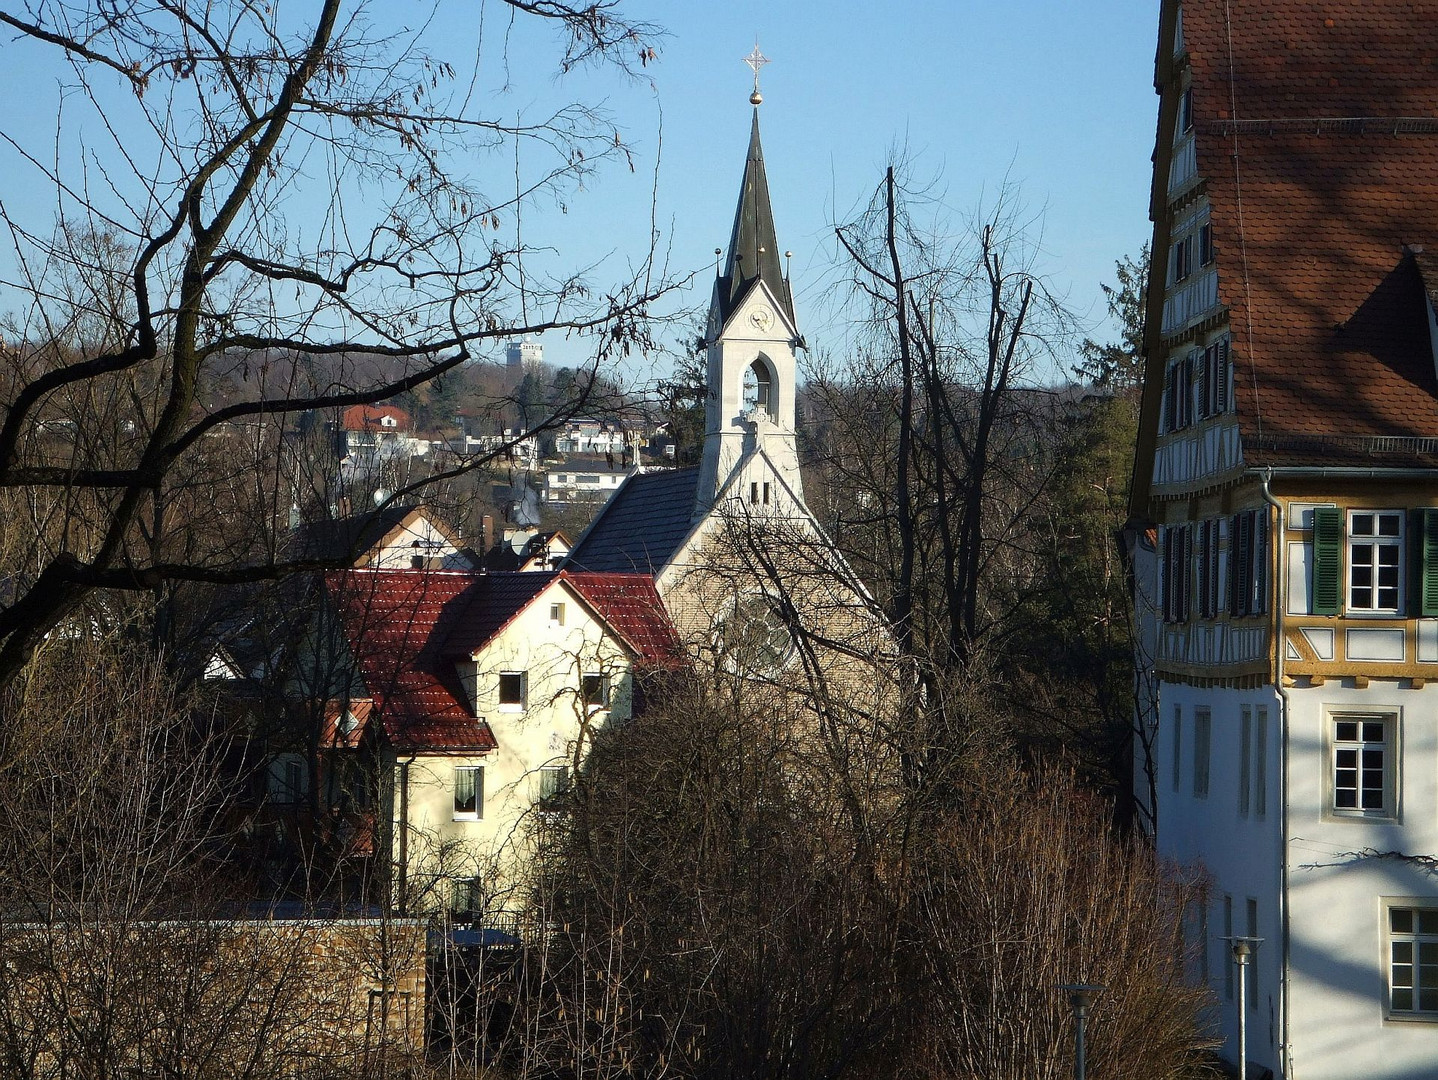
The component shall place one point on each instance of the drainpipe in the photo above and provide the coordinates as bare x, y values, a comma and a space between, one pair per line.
404, 833
1280, 609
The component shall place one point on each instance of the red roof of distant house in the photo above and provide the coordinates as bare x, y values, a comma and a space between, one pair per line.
374, 418
406, 629
1317, 140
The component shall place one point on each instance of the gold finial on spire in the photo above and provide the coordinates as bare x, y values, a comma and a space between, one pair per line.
756, 60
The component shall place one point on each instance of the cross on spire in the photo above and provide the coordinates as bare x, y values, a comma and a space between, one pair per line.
756, 60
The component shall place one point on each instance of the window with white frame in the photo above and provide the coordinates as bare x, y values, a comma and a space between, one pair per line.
1202, 738
1375, 561
468, 792
511, 689
553, 782
1413, 960
594, 691
1361, 774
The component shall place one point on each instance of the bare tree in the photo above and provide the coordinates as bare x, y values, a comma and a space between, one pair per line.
285, 201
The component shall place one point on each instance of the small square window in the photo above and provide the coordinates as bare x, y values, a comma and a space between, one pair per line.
556, 614
511, 689
467, 900
468, 792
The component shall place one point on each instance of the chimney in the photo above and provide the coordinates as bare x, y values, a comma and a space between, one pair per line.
486, 532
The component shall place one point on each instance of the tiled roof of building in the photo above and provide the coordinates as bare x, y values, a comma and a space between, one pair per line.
349, 537
1317, 138
631, 606
495, 599
373, 417
407, 628
396, 623
641, 526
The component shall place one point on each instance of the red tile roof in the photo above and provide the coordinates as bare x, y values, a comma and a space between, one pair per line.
631, 606
372, 417
1332, 361
396, 623
407, 628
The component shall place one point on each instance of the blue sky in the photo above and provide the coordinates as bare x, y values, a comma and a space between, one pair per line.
1056, 97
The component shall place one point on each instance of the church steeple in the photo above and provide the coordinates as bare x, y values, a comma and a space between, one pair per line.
753, 248
749, 452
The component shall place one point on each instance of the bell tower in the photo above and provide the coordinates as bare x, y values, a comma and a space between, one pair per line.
751, 340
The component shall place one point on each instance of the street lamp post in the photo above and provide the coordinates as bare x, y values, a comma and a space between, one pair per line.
1243, 948
1081, 996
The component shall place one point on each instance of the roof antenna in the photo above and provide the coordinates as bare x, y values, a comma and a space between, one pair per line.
756, 60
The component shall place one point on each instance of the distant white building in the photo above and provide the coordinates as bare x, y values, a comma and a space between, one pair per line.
523, 354
586, 482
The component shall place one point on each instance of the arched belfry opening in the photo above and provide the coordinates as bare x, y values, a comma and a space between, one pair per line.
759, 388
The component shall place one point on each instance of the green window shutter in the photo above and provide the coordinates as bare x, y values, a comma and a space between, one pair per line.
1428, 520
1327, 559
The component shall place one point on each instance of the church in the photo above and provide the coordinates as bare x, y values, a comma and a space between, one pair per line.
745, 570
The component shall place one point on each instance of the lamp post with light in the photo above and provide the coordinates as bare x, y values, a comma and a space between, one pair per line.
1081, 996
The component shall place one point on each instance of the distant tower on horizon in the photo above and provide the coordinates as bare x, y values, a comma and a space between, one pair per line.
528, 355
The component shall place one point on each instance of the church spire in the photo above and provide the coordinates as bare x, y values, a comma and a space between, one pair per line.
753, 249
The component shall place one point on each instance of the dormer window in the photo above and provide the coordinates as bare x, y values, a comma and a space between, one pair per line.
758, 388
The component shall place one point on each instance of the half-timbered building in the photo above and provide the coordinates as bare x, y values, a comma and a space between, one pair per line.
1285, 504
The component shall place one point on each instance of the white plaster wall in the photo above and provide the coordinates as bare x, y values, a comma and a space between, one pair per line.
397, 552
547, 731
1339, 944
1241, 855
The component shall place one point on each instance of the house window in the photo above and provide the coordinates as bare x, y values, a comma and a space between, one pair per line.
553, 782
467, 897
468, 792
754, 493
1205, 245
594, 691
1248, 563
1178, 394
766, 493
287, 775
1208, 568
556, 614
1202, 736
1228, 938
1215, 375
1177, 560
1260, 763
1185, 111
1375, 560
1413, 961
1252, 912
511, 690
1177, 746
1183, 258
1245, 759
1362, 757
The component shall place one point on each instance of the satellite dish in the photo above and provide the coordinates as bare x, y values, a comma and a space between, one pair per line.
380, 496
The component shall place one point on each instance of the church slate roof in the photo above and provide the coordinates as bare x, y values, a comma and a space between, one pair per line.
640, 528
1319, 149
753, 246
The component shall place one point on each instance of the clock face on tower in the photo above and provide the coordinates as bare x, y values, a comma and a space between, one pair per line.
761, 318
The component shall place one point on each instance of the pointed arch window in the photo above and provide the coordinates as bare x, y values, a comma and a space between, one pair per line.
759, 387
